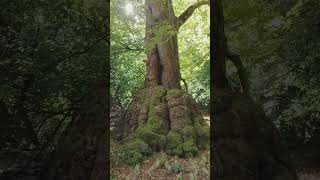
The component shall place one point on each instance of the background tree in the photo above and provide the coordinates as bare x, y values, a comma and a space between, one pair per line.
246, 143
278, 44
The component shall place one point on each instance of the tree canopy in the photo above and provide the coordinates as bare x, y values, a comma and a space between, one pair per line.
278, 41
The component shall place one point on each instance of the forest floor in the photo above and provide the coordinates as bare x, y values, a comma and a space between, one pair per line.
309, 175
175, 168
307, 168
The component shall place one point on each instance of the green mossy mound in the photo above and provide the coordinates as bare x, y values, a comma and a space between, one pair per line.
174, 144
190, 148
155, 140
133, 152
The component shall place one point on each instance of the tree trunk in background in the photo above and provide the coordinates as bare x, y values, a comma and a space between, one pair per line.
82, 153
246, 143
4, 123
219, 45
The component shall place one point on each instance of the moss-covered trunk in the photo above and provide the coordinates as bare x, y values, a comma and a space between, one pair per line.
164, 119
82, 153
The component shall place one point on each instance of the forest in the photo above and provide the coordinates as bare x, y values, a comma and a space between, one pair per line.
53, 90
159, 89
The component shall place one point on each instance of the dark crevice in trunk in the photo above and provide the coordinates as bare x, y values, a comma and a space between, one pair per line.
167, 112
160, 74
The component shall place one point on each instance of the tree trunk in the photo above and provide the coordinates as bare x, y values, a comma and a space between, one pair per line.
162, 116
243, 77
246, 143
4, 124
219, 46
163, 58
82, 153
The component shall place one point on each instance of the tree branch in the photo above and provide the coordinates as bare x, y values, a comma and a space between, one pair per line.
185, 84
235, 58
189, 11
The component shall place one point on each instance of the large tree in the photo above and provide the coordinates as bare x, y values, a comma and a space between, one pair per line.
162, 115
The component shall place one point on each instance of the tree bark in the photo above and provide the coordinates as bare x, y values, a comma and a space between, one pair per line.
5, 121
244, 81
219, 47
189, 11
162, 63
163, 58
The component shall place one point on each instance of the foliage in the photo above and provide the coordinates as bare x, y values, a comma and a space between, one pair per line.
278, 41
127, 67
51, 51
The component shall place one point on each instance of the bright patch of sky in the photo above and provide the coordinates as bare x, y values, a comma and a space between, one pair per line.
128, 8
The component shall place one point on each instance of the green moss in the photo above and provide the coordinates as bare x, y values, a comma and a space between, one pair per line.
188, 132
173, 139
190, 148
130, 157
203, 135
151, 134
201, 130
158, 91
144, 109
155, 120
155, 140
133, 152
174, 144
178, 151
140, 146
174, 93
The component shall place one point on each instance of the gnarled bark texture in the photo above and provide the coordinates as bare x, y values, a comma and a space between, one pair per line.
166, 119
163, 58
